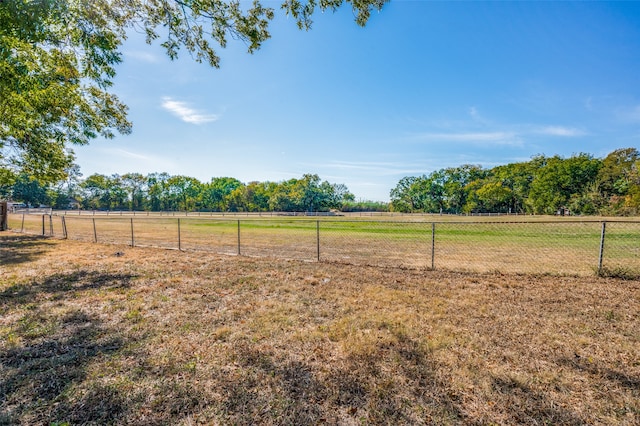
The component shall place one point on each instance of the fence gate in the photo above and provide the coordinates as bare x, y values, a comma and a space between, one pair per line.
4, 212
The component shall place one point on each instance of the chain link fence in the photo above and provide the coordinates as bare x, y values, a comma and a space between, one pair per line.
554, 247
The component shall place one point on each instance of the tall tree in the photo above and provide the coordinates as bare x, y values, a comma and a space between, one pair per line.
256, 195
67, 191
184, 193
104, 193
632, 199
157, 191
136, 186
517, 177
7, 179
455, 181
29, 191
419, 194
216, 193
558, 179
615, 176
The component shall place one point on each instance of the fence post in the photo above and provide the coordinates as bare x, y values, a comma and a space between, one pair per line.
51, 225
601, 254
22, 225
179, 239
238, 237
43, 224
433, 245
64, 228
4, 216
132, 240
95, 234
318, 238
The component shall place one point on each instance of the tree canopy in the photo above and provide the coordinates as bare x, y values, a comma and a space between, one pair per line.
58, 59
581, 184
164, 192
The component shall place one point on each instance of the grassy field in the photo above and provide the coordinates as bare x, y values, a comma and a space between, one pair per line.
109, 334
532, 244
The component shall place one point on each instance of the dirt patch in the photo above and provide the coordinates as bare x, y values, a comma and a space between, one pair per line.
105, 334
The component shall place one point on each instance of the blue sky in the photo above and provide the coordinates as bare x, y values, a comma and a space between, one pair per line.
425, 85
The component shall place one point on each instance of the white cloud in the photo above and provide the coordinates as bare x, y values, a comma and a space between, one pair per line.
123, 156
495, 138
338, 168
184, 112
108, 160
561, 131
379, 168
361, 165
128, 154
347, 170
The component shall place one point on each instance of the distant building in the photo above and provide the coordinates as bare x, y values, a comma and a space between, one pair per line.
12, 207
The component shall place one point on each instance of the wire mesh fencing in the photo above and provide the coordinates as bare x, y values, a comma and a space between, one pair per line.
529, 247
555, 247
620, 249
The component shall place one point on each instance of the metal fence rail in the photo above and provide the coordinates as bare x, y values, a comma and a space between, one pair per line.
555, 247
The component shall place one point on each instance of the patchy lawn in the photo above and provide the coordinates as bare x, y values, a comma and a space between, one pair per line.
103, 334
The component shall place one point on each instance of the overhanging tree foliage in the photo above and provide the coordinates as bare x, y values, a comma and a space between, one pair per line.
58, 59
56, 62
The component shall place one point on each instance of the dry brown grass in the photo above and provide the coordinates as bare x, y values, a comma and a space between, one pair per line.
98, 334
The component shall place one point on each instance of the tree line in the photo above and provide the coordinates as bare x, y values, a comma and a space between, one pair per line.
164, 192
580, 184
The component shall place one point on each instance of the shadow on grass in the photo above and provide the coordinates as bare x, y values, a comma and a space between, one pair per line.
596, 369
58, 286
396, 383
522, 404
65, 365
358, 389
45, 355
20, 248
38, 374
